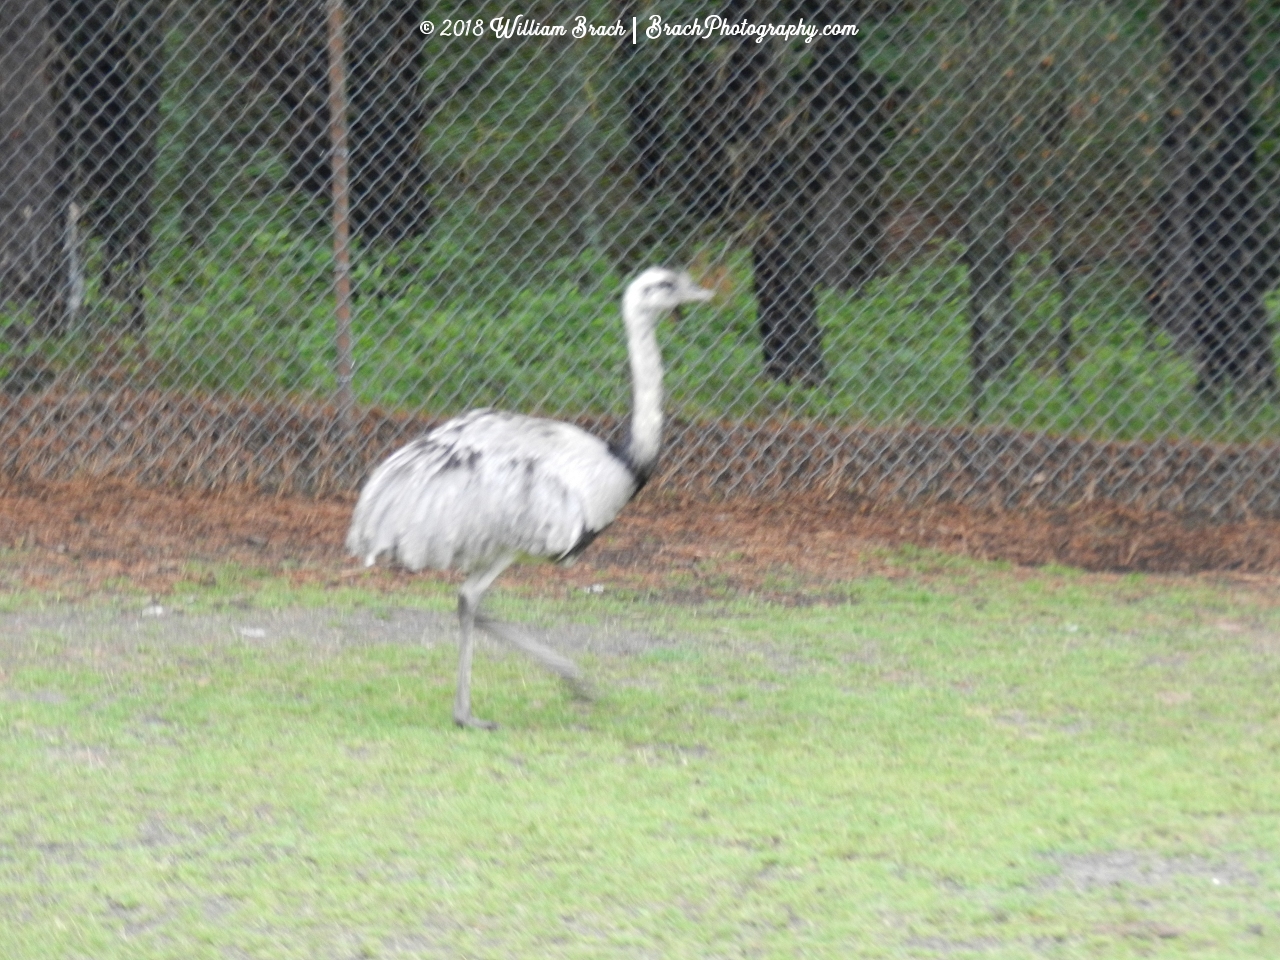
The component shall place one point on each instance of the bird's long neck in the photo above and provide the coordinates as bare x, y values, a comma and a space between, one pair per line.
646, 401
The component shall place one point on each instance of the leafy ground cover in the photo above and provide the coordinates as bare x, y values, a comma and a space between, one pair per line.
962, 759
510, 292
446, 327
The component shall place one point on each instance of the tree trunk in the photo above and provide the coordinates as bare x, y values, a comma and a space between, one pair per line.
31, 208
850, 205
645, 102
802, 146
989, 258
729, 103
786, 301
284, 43
798, 164
988, 206
1062, 255
1211, 263
389, 182
857, 111
108, 110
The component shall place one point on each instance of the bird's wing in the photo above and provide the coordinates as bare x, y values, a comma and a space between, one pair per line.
488, 483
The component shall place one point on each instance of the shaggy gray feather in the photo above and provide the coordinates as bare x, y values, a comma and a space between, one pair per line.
485, 484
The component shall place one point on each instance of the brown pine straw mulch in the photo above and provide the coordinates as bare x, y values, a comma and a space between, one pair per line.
84, 535
298, 447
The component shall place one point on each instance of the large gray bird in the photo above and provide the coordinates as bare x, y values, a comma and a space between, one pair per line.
486, 487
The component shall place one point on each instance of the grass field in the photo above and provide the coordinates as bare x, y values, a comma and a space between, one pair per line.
966, 761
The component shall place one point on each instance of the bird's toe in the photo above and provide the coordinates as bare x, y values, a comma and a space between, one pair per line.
580, 688
474, 723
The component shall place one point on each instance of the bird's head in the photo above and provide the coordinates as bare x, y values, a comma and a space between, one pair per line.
658, 290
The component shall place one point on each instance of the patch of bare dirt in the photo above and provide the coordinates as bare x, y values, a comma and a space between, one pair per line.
1088, 871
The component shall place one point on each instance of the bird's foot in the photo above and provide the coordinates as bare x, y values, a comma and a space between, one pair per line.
580, 688
474, 723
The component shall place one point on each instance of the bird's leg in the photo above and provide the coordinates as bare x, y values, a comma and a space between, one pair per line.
469, 596
543, 655
466, 646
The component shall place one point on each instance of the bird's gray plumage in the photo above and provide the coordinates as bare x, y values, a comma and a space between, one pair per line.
487, 486
489, 483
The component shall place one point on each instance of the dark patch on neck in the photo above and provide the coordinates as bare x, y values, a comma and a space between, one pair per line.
641, 471
642, 474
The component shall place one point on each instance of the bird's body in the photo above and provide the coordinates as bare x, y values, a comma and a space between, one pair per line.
488, 486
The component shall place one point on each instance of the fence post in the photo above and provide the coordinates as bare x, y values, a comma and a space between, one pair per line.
341, 211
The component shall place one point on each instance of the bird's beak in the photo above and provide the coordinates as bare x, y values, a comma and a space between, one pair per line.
691, 292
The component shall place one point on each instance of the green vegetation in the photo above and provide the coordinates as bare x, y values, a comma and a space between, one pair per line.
260, 324
964, 762
512, 296
899, 352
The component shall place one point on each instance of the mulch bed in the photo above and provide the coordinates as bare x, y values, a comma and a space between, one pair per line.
82, 535
163, 437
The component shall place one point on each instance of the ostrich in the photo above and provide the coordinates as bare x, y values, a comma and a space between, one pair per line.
488, 486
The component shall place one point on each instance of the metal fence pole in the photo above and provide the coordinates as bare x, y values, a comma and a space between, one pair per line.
341, 209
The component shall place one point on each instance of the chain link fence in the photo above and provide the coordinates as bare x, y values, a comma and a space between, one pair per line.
1015, 252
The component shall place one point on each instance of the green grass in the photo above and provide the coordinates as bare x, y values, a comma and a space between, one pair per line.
963, 762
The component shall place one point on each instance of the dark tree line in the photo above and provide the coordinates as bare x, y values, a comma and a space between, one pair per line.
804, 162
283, 43
790, 144
107, 91
1214, 253
787, 146
30, 214
80, 85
